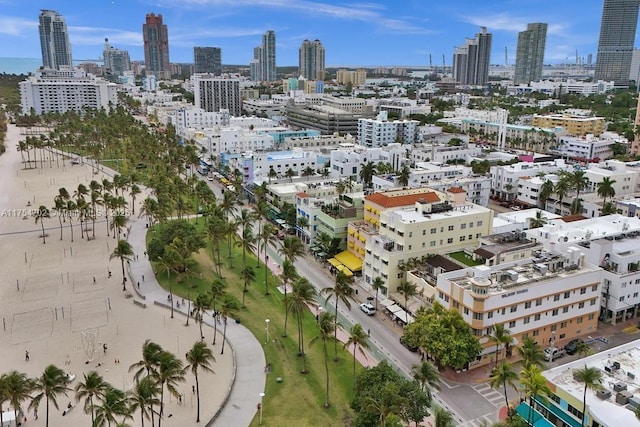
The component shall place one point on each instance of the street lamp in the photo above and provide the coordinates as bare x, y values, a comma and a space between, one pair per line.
318, 311
267, 328
260, 406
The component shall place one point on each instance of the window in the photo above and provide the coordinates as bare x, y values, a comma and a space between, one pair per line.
466, 310
433, 231
490, 315
527, 304
594, 288
554, 312
593, 301
451, 228
477, 316
538, 302
556, 297
462, 238
567, 295
463, 226
621, 299
581, 305
583, 291
536, 317
553, 328
479, 223
563, 325
575, 412
450, 240
535, 333
432, 243
512, 324
565, 309
591, 316
471, 225
410, 234
513, 308
579, 320
526, 320
424, 232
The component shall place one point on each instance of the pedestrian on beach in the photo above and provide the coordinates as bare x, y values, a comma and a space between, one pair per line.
104, 347
94, 280
26, 355
138, 285
369, 332
143, 277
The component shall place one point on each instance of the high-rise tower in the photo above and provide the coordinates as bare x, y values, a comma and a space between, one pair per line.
530, 54
311, 60
207, 60
471, 61
615, 46
156, 46
116, 61
268, 56
54, 40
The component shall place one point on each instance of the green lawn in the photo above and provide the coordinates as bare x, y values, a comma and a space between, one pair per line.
465, 259
299, 399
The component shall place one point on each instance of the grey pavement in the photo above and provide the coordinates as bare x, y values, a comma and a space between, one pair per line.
239, 408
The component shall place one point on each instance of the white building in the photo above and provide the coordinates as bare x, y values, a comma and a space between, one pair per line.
213, 93
57, 91
442, 153
380, 131
566, 86
504, 179
346, 160
264, 107
588, 147
257, 165
277, 193
238, 140
197, 118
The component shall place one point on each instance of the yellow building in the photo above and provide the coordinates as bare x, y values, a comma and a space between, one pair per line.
356, 78
574, 125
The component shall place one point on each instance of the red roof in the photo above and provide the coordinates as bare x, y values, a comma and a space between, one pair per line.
302, 194
456, 190
572, 218
387, 200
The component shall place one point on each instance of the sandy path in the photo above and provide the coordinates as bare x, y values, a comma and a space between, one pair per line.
48, 297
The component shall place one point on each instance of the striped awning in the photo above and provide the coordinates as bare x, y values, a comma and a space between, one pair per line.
334, 262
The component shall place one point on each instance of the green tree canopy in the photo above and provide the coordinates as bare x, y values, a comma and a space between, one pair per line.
165, 234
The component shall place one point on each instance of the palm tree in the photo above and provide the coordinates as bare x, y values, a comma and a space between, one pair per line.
386, 405
92, 386
228, 307
539, 220
531, 352
40, 215
170, 372
144, 396
247, 242
533, 384
266, 237
407, 289
579, 181
504, 375
118, 222
606, 189
123, 251
427, 376
17, 388
500, 335
583, 349
404, 175
216, 291
134, 191
562, 189
4, 395
288, 275
357, 339
248, 276
52, 383
546, 190
342, 291
327, 324
199, 357
592, 379
201, 304
367, 170
149, 362
376, 285
114, 403
443, 418
292, 248
302, 294
59, 206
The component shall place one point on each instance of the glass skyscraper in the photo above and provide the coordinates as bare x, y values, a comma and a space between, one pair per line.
207, 60
530, 54
54, 40
268, 56
471, 61
615, 46
311, 60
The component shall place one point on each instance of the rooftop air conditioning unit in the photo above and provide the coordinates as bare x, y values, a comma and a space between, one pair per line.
623, 397
619, 387
603, 394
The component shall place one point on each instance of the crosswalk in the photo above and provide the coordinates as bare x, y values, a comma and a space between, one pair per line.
483, 421
495, 397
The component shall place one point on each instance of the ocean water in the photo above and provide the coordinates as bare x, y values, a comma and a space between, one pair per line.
19, 65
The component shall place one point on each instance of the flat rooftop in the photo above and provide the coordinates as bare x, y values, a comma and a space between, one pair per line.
606, 411
558, 231
410, 215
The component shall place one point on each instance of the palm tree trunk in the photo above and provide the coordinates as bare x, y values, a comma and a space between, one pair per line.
304, 356
71, 227
215, 324
584, 405
506, 399
141, 418
286, 312
124, 283
377, 289
43, 238
161, 404
326, 370
60, 221
93, 421
224, 335
47, 414
198, 399
335, 331
354, 364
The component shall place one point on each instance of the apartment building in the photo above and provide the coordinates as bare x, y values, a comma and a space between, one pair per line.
505, 179
574, 124
347, 159
278, 193
548, 297
330, 216
429, 227
443, 153
213, 93
380, 131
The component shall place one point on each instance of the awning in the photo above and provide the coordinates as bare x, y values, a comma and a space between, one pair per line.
386, 302
334, 262
394, 308
350, 261
345, 270
404, 317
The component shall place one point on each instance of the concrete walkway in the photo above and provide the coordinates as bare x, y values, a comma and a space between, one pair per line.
249, 361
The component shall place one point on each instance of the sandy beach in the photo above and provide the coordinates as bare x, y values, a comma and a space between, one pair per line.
58, 302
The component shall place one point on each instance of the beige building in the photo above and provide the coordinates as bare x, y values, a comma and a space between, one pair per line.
356, 78
550, 298
574, 125
430, 226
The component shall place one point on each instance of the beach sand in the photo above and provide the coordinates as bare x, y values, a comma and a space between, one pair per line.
57, 301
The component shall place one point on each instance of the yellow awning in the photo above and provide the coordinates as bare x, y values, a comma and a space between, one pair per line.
350, 261
334, 262
345, 270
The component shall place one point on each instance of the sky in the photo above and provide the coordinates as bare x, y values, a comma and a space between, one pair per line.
366, 33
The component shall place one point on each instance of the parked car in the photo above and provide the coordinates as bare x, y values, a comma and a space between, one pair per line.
573, 346
408, 345
553, 353
368, 308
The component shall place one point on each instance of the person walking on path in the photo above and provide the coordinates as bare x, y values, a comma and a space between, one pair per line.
26, 355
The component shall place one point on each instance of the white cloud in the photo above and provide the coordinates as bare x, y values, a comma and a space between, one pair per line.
92, 36
15, 26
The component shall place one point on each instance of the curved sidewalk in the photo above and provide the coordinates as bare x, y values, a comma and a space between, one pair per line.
249, 361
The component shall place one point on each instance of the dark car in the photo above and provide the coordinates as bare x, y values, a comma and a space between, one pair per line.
573, 346
408, 345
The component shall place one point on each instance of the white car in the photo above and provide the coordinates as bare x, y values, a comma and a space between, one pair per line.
368, 308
